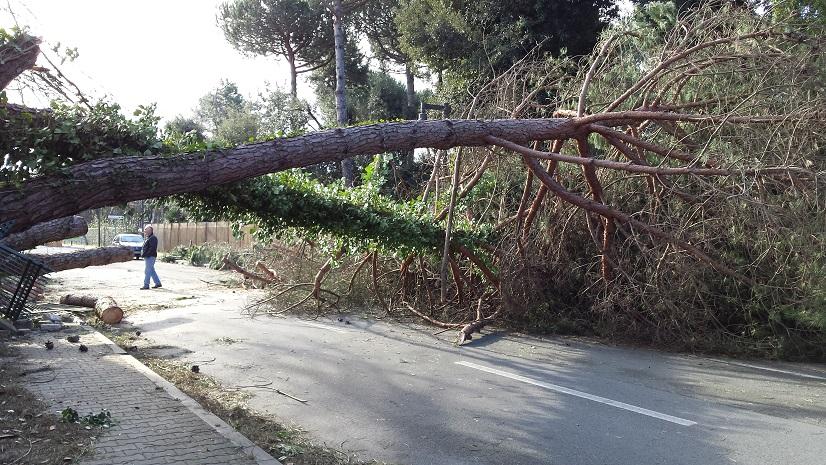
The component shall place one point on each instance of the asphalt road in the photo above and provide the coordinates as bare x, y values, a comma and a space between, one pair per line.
397, 393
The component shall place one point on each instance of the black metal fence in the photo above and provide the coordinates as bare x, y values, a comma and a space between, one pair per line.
19, 274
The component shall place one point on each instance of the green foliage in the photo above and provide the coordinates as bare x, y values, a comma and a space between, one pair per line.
70, 415
195, 255
209, 254
182, 126
808, 10
323, 80
238, 127
280, 113
220, 104
282, 203
233, 120
378, 23
297, 30
470, 39
384, 98
378, 97
13, 35
37, 142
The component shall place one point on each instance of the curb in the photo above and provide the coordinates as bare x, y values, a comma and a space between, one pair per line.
219, 425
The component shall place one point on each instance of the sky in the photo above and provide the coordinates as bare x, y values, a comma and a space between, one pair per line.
137, 52
142, 51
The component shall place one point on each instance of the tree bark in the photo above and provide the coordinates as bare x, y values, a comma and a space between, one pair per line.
39, 234
84, 258
108, 311
26, 48
293, 75
454, 189
347, 166
410, 90
114, 181
105, 307
76, 300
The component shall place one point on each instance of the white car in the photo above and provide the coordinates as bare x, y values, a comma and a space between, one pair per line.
134, 241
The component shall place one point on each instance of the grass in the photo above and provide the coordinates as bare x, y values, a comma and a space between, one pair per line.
290, 445
29, 432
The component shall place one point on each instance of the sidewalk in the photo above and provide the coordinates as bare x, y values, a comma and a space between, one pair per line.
155, 423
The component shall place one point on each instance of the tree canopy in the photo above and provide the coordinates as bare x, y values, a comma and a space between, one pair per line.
296, 30
479, 39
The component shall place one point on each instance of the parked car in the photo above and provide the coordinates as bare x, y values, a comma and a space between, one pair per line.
135, 241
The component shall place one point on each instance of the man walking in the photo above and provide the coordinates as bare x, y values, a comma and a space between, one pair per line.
149, 254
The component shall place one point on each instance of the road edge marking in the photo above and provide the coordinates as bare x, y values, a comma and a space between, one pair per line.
580, 394
313, 324
775, 370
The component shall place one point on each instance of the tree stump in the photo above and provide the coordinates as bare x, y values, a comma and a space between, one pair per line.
105, 307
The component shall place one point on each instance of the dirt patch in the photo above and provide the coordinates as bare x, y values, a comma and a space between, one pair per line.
29, 432
146, 308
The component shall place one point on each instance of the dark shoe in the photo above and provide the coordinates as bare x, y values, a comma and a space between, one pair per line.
156, 286
144, 288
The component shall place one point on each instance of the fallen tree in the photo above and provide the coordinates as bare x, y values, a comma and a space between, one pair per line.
689, 171
84, 258
19, 57
50, 231
112, 181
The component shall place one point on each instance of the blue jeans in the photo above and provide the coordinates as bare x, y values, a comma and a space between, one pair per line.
149, 272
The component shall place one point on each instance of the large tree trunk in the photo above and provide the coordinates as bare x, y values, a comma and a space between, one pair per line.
84, 258
293, 75
114, 181
23, 54
410, 90
50, 231
347, 166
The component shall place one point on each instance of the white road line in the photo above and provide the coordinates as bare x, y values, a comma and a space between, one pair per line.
584, 395
776, 370
319, 325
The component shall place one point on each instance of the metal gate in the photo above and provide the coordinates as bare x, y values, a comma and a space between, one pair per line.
18, 275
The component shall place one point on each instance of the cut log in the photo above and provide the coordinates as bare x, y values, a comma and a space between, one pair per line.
79, 300
106, 309
50, 231
84, 258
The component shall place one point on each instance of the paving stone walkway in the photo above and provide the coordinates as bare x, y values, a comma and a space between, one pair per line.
154, 423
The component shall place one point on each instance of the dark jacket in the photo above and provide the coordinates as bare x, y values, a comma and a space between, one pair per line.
150, 247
